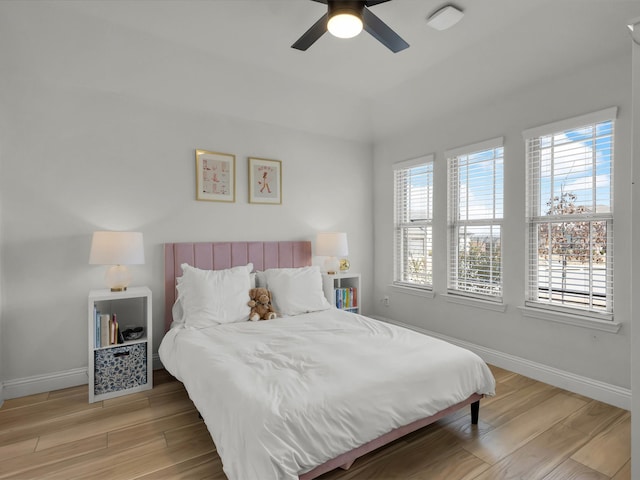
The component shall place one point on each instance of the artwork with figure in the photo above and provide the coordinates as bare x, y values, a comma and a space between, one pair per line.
265, 181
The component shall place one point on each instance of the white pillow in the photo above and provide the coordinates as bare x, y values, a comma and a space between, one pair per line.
177, 312
296, 290
261, 279
211, 297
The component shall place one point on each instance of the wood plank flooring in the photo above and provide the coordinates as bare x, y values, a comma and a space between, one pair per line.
529, 430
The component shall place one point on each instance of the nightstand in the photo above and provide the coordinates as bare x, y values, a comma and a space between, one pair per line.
343, 290
122, 368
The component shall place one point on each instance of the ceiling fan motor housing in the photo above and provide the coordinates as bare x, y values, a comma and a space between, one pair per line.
347, 7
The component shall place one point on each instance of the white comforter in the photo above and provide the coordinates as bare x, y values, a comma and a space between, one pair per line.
282, 396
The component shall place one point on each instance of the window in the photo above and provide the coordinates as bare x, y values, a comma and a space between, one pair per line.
570, 214
475, 219
413, 222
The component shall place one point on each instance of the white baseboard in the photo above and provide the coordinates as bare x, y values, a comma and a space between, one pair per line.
21, 387
157, 364
603, 392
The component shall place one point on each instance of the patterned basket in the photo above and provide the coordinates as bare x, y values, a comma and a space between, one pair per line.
120, 368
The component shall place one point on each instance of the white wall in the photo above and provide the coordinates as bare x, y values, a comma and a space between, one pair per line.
1, 283
78, 156
90, 161
600, 356
3, 127
635, 307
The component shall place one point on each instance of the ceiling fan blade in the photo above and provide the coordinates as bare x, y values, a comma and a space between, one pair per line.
309, 37
371, 3
327, 1
382, 32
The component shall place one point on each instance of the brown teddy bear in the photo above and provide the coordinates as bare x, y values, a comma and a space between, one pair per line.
260, 304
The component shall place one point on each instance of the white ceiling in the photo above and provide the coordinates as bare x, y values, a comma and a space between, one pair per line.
353, 88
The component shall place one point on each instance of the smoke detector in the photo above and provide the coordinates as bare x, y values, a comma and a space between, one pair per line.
445, 17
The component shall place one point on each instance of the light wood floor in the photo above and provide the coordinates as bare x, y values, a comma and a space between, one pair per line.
529, 430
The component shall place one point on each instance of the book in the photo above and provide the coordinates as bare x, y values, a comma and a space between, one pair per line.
113, 330
96, 327
346, 297
105, 322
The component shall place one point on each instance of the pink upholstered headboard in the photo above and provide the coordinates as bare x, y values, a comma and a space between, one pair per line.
220, 255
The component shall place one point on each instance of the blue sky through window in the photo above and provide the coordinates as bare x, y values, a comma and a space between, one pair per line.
578, 161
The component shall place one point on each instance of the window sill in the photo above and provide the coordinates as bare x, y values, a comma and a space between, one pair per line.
568, 319
420, 292
475, 302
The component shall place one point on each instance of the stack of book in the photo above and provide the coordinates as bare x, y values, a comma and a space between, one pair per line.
106, 329
346, 298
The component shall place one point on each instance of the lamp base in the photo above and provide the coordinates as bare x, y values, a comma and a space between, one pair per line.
331, 265
118, 278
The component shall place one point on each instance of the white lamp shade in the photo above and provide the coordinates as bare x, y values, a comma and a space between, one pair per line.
332, 244
117, 248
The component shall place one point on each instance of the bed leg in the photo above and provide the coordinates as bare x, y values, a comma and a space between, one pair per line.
475, 412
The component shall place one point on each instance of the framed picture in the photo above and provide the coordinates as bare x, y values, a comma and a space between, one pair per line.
265, 181
215, 176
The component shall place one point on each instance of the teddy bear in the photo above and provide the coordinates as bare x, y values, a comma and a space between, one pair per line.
260, 303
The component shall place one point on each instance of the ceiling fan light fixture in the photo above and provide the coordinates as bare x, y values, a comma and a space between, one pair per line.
345, 18
344, 25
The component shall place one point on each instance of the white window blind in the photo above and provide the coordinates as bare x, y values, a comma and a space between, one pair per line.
413, 187
570, 214
475, 200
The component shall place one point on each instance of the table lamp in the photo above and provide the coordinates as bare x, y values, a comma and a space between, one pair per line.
332, 245
117, 249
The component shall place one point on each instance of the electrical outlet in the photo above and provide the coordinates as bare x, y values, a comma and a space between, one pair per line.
385, 300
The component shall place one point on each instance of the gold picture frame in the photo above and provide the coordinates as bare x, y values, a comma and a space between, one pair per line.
265, 181
215, 176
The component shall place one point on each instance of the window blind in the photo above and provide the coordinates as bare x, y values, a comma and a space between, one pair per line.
475, 204
413, 187
570, 215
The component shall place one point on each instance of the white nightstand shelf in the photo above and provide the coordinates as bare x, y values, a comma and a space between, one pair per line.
123, 368
343, 290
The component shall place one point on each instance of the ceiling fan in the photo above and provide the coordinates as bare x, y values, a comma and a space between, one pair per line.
345, 19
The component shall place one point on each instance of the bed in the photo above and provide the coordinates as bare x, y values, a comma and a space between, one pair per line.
308, 392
